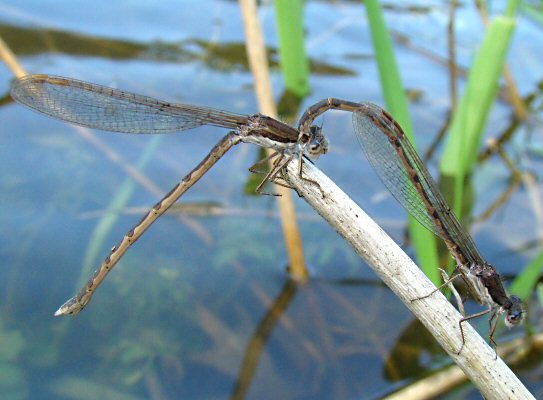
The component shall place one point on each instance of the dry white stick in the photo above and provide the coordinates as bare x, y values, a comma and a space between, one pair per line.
491, 376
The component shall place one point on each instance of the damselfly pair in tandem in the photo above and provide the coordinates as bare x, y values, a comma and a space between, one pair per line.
382, 139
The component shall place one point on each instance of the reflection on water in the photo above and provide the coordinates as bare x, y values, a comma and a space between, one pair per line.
218, 56
201, 306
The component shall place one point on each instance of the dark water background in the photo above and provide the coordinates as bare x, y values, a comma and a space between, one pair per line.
176, 317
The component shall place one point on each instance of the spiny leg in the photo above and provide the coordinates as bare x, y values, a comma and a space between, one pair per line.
277, 166
492, 324
465, 319
283, 180
254, 169
455, 293
446, 283
300, 174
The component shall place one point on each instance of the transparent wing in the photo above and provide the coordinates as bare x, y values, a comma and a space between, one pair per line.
401, 170
100, 107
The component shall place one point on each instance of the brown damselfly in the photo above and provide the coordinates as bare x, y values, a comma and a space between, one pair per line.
384, 143
403, 173
100, 107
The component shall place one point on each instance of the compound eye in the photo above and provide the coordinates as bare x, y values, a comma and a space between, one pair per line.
515, 314
514, 318
511, 320
314, 149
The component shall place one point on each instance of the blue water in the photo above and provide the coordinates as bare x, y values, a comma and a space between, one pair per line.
176, 317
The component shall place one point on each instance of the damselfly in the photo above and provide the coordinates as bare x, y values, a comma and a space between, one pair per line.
384, 143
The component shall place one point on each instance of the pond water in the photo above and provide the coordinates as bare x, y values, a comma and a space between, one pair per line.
202, 307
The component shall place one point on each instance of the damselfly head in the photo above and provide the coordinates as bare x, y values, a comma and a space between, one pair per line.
317, 143
515, 313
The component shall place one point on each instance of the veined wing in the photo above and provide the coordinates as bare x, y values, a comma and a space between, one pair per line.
403, 173
104, 108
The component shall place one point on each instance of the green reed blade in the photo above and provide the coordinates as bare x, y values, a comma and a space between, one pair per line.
424, 241
294, 63
525, 282
473, 109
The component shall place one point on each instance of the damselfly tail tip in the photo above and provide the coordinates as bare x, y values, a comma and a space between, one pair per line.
59, 312
71, 307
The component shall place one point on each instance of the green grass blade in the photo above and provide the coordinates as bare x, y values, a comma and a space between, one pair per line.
512, 8
533, 12
294, 63
424, 241
525, 282
473, 109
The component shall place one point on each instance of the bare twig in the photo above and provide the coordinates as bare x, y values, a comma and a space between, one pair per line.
10, 60
477, 360
437, 384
